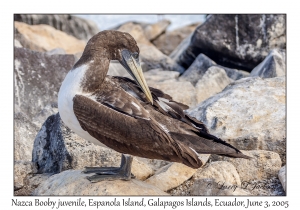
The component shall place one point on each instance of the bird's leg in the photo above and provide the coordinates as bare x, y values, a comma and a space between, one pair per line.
112, 173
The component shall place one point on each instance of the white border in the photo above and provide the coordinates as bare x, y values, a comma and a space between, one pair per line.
154, 6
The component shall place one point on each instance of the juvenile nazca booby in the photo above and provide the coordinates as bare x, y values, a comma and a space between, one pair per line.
127, 115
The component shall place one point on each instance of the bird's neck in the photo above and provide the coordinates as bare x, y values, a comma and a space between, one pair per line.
95, 72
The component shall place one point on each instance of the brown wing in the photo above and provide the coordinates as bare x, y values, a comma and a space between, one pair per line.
130, 135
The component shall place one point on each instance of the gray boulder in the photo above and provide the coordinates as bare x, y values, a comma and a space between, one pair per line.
72, 25
37, 79
272, 66
171, 176
201, 64
24, 134
197, 69
236, 41
220, 171
213, 81
250, 114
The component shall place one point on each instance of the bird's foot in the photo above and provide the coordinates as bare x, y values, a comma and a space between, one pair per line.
101, 170
112, 173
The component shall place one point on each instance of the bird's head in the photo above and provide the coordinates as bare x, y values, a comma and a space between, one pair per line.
120, 46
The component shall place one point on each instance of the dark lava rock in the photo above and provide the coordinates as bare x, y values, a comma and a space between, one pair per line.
57, 148
49, 152
201, 64
37, 79
236, 41
272, 66
72, 25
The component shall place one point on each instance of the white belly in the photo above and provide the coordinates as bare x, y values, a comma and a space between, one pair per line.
69, 88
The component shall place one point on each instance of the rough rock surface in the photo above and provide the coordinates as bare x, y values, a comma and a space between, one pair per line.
220, 171
167, 81
155, 164
78, 27
48, 110
56, 51
236, 41
73, 182
24, 134
282, 177
149, 54
180, 91
262, 165
169, 40
249, 114
152, 31
272, 66
141, 169
37, 79
213, 81
21, 170
159, 75
48, 38
201, 64
171, 176
31, 181
197, 69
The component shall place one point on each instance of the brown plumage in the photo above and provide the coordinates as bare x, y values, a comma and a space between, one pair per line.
120, 113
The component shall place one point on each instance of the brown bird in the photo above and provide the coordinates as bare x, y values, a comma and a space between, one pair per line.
128, 116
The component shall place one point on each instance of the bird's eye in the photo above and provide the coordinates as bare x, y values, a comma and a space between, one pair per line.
135, 55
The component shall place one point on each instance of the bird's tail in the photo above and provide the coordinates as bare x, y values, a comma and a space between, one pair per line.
205, 143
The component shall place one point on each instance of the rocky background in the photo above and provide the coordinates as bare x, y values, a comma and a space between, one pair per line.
229, 69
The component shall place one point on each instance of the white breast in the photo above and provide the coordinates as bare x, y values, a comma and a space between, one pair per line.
69, 88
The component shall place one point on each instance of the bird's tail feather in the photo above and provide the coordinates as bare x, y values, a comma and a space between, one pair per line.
205, 143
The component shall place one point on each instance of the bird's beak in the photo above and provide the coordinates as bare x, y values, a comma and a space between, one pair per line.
132, 65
